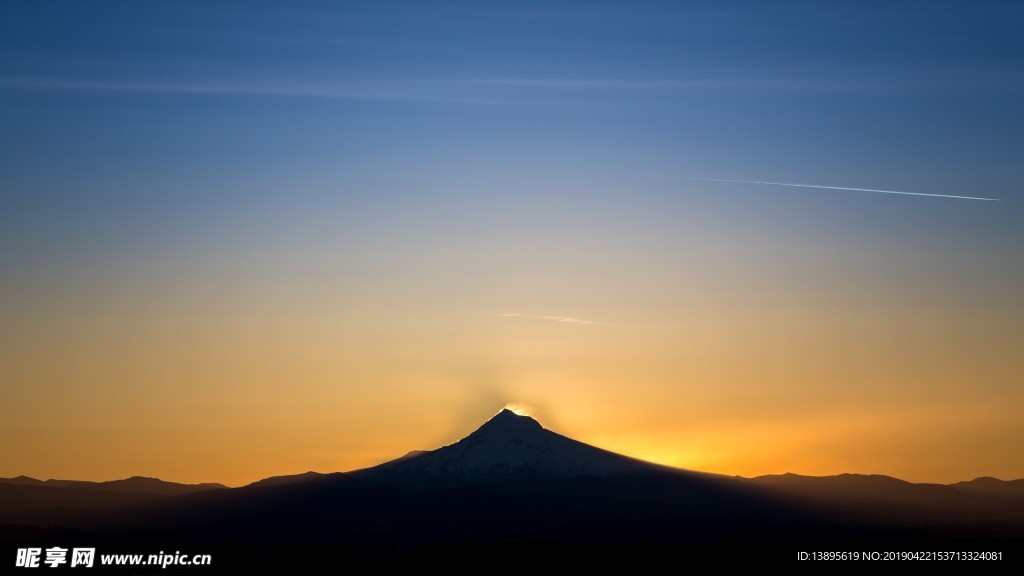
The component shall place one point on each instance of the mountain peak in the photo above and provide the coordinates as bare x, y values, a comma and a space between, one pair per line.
508, 446
508, 422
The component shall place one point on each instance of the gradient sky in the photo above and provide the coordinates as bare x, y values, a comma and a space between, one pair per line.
255, 238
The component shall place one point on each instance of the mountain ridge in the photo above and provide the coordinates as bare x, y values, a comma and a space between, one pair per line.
132, 484
510, 446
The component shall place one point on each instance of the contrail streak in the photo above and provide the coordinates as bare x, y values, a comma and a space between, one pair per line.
839, 188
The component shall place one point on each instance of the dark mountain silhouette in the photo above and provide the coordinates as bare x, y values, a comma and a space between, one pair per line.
855, 487
304, 478
992, 486
24, 481
878, 496
28, 498
512, 489
138, 484
507, 447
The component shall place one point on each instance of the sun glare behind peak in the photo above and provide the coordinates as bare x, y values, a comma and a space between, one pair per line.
519, 408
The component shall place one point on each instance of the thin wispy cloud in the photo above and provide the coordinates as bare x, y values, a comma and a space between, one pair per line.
405, 91
483, 89
479, 89
560, 319
446, 90
684, 82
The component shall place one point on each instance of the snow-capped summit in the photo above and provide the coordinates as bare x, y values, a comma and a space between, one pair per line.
508, 423
508, 446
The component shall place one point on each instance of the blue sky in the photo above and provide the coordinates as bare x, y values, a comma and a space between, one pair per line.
130, 99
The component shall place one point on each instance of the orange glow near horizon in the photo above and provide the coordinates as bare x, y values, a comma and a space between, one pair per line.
771, 355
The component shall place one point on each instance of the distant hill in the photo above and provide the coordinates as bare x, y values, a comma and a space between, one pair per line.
137, 484
992, 486
854, 486
30, 498
304, 478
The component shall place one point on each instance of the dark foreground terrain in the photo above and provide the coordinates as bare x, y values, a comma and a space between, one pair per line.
516, 494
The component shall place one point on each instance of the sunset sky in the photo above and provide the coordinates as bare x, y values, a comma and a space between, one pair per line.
255, 238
